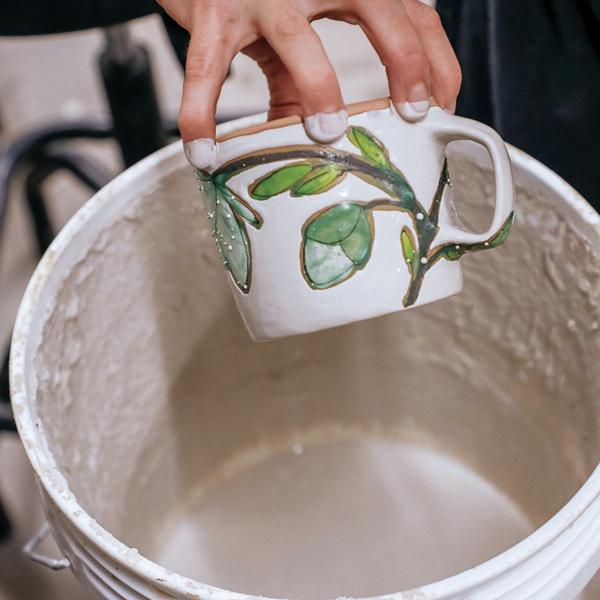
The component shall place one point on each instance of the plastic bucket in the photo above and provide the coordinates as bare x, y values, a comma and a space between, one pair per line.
140, 399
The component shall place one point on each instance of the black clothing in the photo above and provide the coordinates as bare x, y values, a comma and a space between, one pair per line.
531, 70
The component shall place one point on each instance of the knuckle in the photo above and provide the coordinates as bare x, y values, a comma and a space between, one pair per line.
200, 65
288, 24
378, 4
426, 18
271, 65
408, 57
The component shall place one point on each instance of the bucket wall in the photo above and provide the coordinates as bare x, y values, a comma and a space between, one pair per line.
147, 396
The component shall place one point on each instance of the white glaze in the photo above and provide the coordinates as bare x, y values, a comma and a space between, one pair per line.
279, 301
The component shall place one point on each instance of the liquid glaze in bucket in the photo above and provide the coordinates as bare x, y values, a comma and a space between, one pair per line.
149, 415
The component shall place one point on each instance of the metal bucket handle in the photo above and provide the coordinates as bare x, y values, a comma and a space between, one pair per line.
56, 564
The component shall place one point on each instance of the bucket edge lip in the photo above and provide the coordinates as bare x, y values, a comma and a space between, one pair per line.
160, 577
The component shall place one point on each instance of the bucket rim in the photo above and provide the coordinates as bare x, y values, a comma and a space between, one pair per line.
586, 219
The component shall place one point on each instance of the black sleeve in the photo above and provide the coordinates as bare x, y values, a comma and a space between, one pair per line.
596, 8
531, 70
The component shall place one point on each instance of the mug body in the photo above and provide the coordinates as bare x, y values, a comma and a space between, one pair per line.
301, 277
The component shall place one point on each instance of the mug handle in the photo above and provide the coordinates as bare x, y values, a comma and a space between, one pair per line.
449, 128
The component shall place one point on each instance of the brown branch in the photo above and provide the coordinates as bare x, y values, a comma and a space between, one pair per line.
426, 235
434, 211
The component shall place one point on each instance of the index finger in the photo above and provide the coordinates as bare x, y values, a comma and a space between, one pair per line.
300, 49
391, 32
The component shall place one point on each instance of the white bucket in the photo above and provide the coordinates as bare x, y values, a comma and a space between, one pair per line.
140, 398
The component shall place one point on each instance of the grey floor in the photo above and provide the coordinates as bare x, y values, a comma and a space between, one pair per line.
50, 79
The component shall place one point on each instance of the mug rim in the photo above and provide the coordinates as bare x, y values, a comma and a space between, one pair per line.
355, 108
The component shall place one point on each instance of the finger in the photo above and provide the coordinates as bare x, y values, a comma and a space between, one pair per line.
300, 50
284, 96
208, 60
394, 37
444, 68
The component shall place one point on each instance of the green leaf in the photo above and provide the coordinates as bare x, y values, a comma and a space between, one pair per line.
325, 265
496, 240
320, 180
501, 236
208, 193
335, 224
232, 240
229, 232
337, 243
409, 250
370, 147
407, 245
279, 180
237, 205
357, 246
452, 252
455, 251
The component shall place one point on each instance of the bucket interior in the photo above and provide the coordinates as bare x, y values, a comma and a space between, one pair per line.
359, 461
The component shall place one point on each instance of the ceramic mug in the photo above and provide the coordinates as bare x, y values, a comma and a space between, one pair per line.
317, 236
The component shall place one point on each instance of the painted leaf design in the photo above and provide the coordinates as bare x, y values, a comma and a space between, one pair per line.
408, 248
279, 180
455, 251
337, 243
229, 232
326, 265
402, 192
407, 245
370, 147
357, 246
319, 180
452, 252
238, 206
208, 193
232, 239
501, 236
496, 240
334, 224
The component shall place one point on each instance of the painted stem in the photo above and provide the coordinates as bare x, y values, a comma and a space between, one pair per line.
391, 182
425, 237
373, 204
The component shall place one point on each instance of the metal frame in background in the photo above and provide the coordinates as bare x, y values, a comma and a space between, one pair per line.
138, 128
36, 151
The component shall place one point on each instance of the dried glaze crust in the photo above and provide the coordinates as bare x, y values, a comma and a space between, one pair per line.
587, 221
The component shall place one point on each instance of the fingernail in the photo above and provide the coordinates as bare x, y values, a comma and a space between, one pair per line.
451, 109
326, 127
416, 105
199, 152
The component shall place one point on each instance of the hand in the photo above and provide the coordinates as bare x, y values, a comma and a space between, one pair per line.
407, 35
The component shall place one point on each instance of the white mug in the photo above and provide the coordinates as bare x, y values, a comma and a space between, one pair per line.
317, 236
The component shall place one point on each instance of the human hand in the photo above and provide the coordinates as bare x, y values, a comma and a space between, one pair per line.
407, 35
